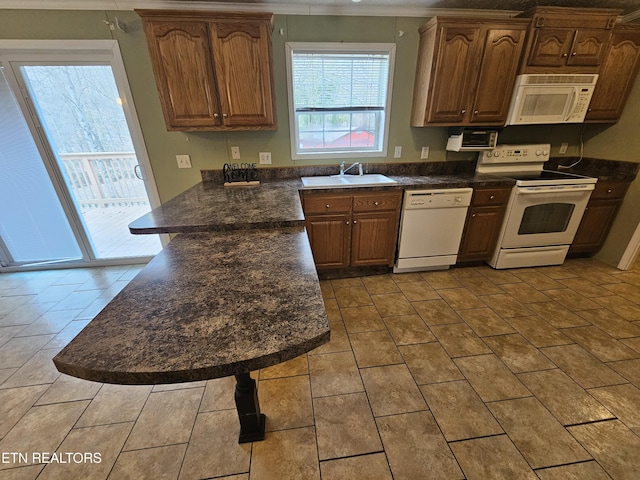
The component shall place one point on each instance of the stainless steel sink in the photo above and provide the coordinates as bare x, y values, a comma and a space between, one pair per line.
336, 181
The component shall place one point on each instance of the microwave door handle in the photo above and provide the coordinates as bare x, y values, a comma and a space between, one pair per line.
573, 101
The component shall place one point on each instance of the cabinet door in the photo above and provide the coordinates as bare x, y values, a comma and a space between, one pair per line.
181, 59
480, 233
588, 47
502, 50
595, 225
373, 238
550, 47
329, 236
454, 75
617, 76
242, 59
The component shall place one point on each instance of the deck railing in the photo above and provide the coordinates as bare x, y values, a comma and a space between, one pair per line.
104, 179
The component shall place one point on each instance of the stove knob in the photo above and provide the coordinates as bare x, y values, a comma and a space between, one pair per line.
538, 153
545, 152
496, 153
488, 154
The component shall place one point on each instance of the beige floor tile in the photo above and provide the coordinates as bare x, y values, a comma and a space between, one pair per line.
429, 363
346, 283
377, 284
417, 291
506, 306
633, 343
399, 278
524, 293
557, 315
339, 340
538, 435
538, 332
586, 287
286, 402
290, 454
461, 298
600, 345
621, 306
564, 398
166, 419
392, 390
480, 285
50, 322
459, 340
333, 311
107, 440
369, 467
67, 334
17, 351
114, 404
499, 277
623, 401
494, 458
6, 373
30, 472
517, 353
436, 312
290, 368
613, 445
625, 290
219, 394
353, 297
362, 319
577, 471
373, 349
459, 411
408, 329
485, 322
327, 289
178, 386
491, 378
629, 369
542, 281
69, 389
571, 300
7, 333
416, 448
345, 426
213, 449
390, 304
38, 370
613, 324
584, 368
334, 374
161, 463
41, 429
440, 280
15, 402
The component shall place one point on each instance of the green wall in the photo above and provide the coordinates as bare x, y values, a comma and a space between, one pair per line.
210, 150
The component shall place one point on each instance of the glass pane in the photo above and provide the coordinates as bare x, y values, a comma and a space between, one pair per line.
82, 114
544, 104
339, 131
546, 218
33, 225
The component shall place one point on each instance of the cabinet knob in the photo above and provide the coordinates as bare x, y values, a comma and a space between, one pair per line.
475, 112
609, 191
225, 115
355, 221
473, 215
327, 205
215, 115
574, 54
564, 55
463, 111
376, 203
347, 222
492, 197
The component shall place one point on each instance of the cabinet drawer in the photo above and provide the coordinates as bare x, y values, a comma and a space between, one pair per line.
491, 196
609, 189
327, 204
372, 202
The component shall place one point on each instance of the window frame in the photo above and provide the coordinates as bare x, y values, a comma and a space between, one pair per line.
338, 47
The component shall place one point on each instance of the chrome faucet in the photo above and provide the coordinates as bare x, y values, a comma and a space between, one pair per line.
355, 164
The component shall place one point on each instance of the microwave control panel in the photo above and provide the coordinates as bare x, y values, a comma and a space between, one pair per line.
516, 154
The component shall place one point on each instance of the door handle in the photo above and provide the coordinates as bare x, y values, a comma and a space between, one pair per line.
137, 171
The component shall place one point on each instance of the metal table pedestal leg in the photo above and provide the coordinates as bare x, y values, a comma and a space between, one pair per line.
252, 422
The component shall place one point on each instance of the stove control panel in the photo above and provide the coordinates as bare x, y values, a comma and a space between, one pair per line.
538, 153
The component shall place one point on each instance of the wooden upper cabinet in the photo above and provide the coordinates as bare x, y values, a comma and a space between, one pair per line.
567, 40
213, 71
466, 70
617, 75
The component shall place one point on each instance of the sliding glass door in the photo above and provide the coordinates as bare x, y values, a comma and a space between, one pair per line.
84, 180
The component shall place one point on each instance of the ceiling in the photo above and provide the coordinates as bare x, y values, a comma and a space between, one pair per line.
629, 9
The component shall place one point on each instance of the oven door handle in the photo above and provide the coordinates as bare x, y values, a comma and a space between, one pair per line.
555, 189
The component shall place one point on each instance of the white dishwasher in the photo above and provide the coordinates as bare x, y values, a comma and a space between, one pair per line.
431, 227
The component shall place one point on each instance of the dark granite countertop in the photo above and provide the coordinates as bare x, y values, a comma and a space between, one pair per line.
207, 306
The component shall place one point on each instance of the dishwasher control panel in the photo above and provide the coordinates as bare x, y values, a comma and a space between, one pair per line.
438, 198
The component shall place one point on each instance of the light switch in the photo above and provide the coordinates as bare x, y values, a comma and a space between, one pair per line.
235, 153
184, 161
265, 158
397, 153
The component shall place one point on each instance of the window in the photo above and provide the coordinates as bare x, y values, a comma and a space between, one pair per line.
339, 99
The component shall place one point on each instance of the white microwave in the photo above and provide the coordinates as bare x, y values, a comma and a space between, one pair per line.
553, 98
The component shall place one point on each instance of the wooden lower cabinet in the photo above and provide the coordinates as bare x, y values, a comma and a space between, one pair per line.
598, 217
484, 220
352, 230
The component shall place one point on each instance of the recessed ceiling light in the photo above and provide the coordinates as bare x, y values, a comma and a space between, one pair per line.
355, 1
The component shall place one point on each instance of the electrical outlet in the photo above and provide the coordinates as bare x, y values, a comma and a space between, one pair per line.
397, 153
235, 153
425, 153
265, 158
563, 148
184, 161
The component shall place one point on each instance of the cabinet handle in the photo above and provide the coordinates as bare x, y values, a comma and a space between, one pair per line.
376, 203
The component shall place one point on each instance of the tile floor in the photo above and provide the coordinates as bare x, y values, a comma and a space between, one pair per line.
469, 373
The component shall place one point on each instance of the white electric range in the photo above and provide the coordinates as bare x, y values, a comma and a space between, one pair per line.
544, 209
